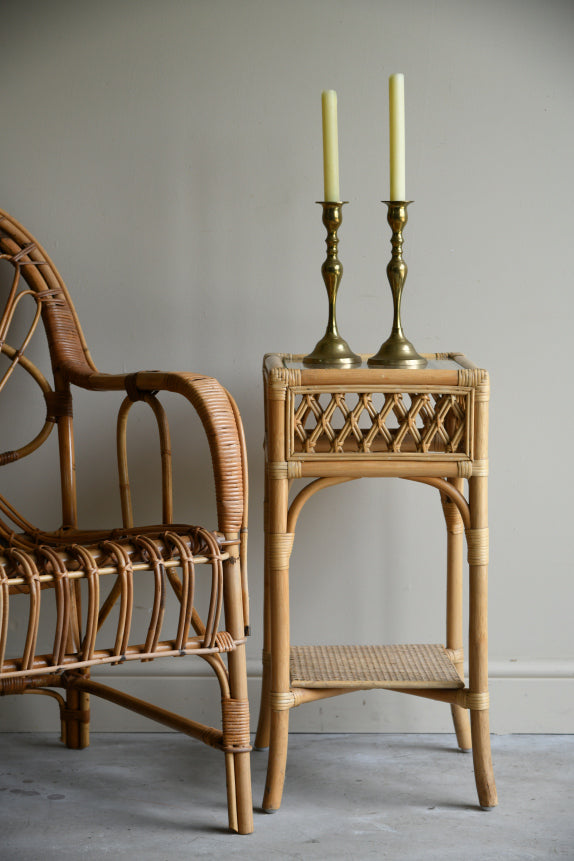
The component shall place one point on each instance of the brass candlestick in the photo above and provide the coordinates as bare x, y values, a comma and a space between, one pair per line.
332, 350
397, 351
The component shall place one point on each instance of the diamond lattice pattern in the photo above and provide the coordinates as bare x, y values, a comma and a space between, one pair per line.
366, 422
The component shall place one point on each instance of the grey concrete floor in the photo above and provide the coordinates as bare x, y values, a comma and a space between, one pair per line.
161, 796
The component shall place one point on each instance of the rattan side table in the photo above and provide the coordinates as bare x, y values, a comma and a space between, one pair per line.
332, 426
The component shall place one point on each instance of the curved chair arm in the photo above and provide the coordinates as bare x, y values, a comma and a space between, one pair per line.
220, 421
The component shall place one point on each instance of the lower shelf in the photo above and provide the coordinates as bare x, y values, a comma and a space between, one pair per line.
405, 666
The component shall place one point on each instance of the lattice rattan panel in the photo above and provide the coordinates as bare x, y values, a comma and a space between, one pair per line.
383, 420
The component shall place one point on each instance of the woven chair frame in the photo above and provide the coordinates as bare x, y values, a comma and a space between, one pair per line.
94, 572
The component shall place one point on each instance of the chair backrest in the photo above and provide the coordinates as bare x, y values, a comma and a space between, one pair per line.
33, 265
34, 279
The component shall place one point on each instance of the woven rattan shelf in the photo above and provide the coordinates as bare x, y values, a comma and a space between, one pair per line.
404, 666
328, 426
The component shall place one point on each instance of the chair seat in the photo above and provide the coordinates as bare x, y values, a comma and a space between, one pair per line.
119, 560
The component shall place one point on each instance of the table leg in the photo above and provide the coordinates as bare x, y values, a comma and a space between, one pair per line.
477, 537
454, 606
277, 761
264, 723
278, 551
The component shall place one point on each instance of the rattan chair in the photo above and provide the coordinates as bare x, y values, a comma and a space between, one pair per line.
88, 582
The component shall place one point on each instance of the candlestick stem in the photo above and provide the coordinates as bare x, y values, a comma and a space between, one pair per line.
332, 350
397, 351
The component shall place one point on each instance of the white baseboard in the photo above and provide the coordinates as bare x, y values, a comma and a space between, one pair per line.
534, 696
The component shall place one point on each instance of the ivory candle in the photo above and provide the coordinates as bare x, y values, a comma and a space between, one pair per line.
330, 145
397, 136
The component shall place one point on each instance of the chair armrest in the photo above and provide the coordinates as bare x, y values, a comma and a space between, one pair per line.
220, 421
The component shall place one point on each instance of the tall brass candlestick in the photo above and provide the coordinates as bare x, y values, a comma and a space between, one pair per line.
397, 351
332, 350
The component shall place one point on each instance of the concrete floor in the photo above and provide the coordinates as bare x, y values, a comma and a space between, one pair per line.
160, 796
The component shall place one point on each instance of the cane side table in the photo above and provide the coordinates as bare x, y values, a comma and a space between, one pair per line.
335, 425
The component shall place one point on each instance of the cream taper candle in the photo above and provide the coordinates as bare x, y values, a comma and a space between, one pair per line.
397, 136
330, 145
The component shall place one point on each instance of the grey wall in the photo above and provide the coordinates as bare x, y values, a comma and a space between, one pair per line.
168, 155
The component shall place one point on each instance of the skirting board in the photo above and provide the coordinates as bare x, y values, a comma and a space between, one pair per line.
526, 697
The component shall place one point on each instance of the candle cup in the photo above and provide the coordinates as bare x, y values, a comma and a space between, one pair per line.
332, 351
397, 351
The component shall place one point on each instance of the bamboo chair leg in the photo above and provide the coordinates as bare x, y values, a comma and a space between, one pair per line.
231, 791
243, 803
238, 765
76, 719
264, 723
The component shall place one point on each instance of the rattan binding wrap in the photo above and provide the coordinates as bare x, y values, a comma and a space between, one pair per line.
404, 666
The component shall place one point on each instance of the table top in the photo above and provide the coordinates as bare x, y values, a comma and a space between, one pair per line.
443, 369
445, 361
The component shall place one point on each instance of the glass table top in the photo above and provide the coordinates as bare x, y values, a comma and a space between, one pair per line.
295, 362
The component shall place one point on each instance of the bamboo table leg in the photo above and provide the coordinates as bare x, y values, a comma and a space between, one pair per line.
279, 544
454, 604
477, 538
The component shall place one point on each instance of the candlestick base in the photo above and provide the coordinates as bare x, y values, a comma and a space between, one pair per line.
397, 351
332, 351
